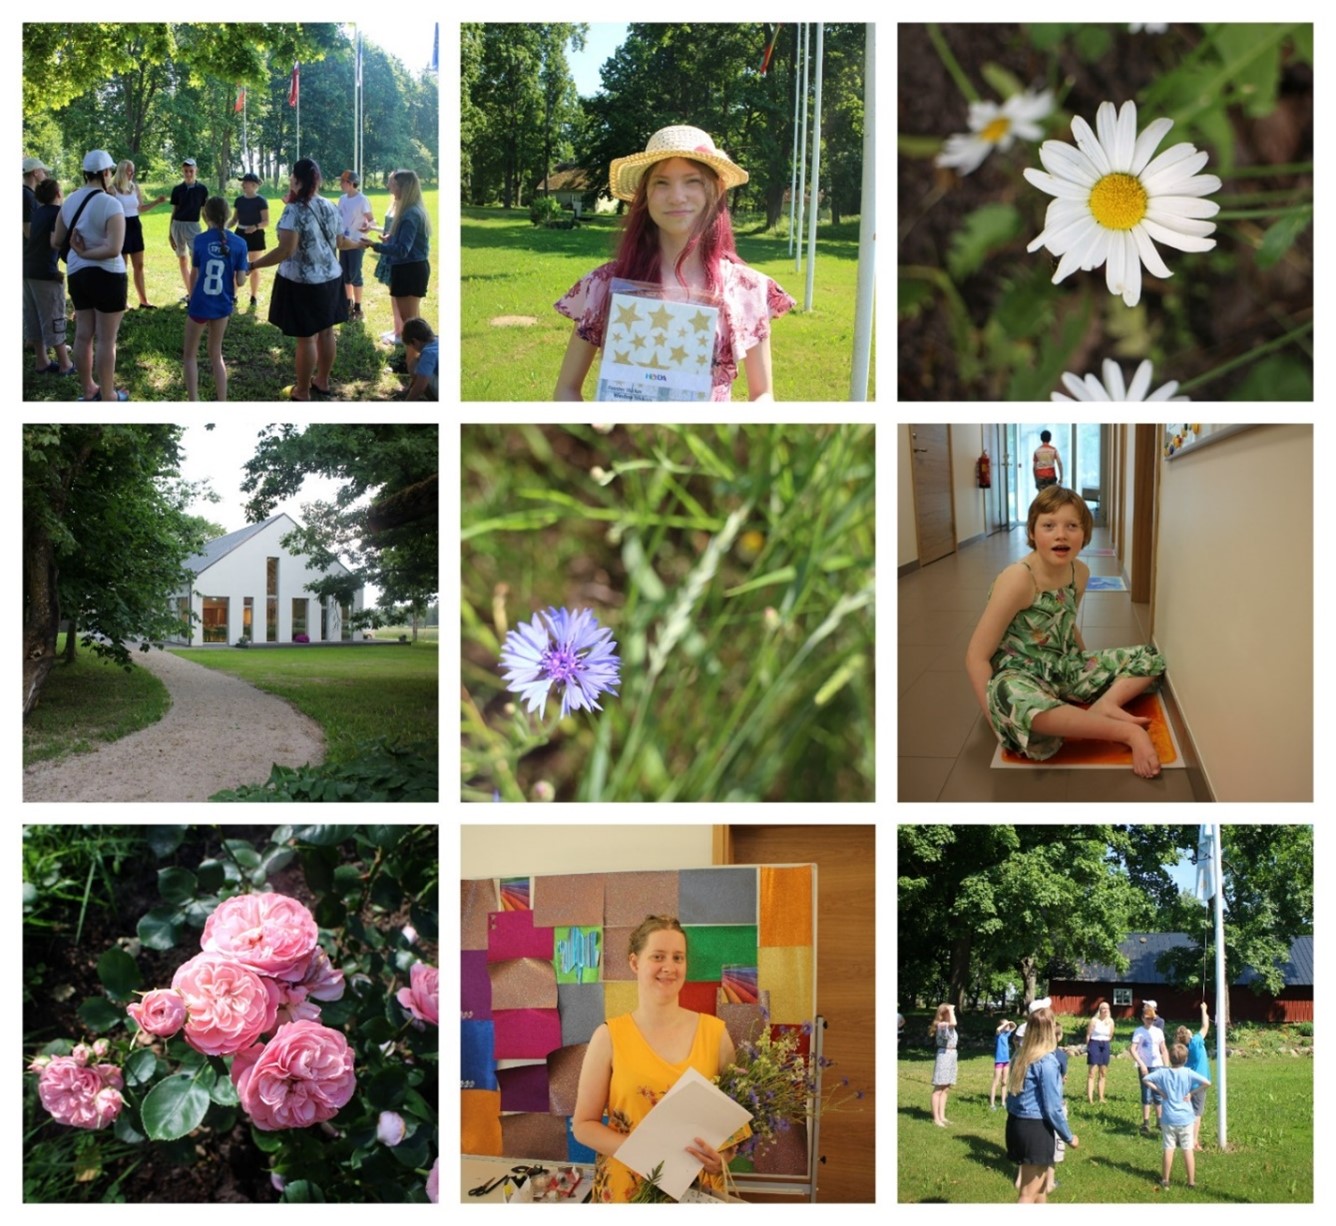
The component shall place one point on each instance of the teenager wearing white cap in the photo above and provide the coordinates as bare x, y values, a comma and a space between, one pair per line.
678, 233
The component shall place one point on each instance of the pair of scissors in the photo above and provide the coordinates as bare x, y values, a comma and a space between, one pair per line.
522, 1171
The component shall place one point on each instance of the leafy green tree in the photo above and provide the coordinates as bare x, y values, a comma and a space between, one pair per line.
105, 538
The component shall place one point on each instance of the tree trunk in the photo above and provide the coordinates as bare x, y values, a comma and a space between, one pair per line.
71, 639
41, 615
1027, 968
960, 969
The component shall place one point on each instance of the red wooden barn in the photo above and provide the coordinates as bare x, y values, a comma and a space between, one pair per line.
1125, 990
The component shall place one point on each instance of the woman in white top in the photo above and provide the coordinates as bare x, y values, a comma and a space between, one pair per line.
128, 192
95, 223
1099, 1035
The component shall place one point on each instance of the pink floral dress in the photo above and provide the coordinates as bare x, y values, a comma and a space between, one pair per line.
751, 301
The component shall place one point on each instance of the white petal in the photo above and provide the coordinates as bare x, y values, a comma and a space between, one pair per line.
1180, 162
1172, 238
1131, 270
982, 114
1167, 391
1029, 106
1060, 396
1061, 240
1126, 136
1148, 142
1180, 225
1056, 187
964, 153
1077, 388
1150, 257
1074, 257
1140, 382
1113, 380
1106, 125
1068, 163
1202, 185
1184, 206
1086, 142
1099, 250
1026, 129
1096, 389
1113, 269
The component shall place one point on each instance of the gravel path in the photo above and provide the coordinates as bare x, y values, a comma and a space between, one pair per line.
218, 733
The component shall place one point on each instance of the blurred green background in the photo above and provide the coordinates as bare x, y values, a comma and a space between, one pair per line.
735, 565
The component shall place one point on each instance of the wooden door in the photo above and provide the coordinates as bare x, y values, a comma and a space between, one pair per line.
934, 515
845, 857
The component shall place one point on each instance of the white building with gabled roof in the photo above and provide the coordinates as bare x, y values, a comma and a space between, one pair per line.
247, 584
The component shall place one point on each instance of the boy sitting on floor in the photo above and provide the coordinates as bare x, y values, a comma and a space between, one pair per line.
422, 351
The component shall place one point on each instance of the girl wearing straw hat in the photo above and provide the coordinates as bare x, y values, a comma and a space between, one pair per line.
678, 233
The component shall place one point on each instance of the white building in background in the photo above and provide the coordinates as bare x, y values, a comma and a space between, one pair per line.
246, 583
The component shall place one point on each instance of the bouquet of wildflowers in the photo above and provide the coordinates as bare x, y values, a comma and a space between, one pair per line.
771, 1080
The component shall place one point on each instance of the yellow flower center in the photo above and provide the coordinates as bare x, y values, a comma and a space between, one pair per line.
996, 130
1118, 201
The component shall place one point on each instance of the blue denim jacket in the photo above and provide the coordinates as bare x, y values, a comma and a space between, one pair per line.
410, 243
1041, 1096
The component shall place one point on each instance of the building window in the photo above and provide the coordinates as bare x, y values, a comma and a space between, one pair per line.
248, 617
1122, 996
183, 611
215, 619
345, 614
324, 619
271, 619
298, 617
271, 575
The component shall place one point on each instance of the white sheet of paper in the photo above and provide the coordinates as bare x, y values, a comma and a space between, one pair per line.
693, 1107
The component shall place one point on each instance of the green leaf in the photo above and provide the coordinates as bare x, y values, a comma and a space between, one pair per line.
1093, 43
223, 1092
387, 1088
1257, 77
99, 1014
140, 1067
322, 836
913, 294
785, 574
347, 880
302, 1191
1026, 306
124, 1130
1277, 377
1003, 81
174, 1107
414, 1150
918, 146
161, 928
211, 875
119, 973
1038, 380
1046, 35
1280, 237
985, 231
243, 853
266, 1142
165, 839
386, 837
177, 885
1303, 42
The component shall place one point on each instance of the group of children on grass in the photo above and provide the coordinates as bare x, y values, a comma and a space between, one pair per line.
1173, 1078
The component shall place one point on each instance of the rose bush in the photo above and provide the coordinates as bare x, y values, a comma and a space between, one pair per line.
301, 1026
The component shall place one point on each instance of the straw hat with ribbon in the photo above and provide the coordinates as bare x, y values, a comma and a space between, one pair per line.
678, 141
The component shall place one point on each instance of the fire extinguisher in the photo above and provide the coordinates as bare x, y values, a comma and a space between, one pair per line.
983, 472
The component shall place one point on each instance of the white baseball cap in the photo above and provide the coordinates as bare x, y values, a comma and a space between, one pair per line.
1045, 1003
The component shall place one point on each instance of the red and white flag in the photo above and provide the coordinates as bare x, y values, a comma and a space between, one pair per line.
294, 87
241, 99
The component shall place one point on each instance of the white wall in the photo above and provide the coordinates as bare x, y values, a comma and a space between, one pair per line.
514, 851
906, 541
1129, 498
1234, 608
966, 444
243, 572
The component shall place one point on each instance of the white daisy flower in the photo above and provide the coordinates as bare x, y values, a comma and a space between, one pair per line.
995, 127
1113, 387
1112, 200
1150, 27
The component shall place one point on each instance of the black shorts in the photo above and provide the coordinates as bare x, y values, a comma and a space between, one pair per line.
254, 241
96, 289
1030, 1142
134, 236
304, 310
1097, 1053
410, 280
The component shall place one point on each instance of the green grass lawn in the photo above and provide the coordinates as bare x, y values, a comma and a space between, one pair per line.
512, 268
1270, 1138
261, 361
88, 703
354, 694
426, 634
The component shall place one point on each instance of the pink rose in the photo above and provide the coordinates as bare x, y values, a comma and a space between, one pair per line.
269, 933
80, 1096
162, 1012
423, 997
82, 1053
323, 980
228, 1007
302, 1076
390, 1128
434, 1183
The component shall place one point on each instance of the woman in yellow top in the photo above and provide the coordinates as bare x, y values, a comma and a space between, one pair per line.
633, 1060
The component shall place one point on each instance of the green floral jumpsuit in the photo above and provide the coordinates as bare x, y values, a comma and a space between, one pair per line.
1038, 666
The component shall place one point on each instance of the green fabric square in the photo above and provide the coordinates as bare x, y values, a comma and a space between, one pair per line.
712, 947
577, 954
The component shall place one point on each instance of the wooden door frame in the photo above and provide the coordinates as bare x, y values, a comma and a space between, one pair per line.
1146, 460
950, 488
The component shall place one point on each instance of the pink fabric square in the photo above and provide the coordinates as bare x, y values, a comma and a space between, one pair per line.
511, 934
525, 1034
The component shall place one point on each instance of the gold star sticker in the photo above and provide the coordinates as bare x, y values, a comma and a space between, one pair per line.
654, 363
628, 313
658, 336
679, 355
624, 357
700, 321
662, 317
700, 361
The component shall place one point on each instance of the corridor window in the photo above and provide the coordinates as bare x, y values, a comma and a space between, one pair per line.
298, 617
215, 619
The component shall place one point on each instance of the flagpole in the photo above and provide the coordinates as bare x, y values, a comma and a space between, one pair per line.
867, 227
802, 155
816, 169
1221, 984
797, 93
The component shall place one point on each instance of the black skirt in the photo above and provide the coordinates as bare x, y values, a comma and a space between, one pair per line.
304, 310
254, 240
134, 236
1030, 1142
410, 280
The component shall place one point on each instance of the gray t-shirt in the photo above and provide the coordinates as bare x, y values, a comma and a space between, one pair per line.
93, 226
318, 225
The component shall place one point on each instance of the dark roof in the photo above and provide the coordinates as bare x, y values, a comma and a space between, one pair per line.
1143, 948
571, 180
221, 546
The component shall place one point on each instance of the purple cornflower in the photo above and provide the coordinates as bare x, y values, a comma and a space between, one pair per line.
570, 650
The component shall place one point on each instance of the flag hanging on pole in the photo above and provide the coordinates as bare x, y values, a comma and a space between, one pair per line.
241, 99
770, 50
436, 49
294, 86
1207, 883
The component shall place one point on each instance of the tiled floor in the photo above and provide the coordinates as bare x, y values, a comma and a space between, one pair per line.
946, 745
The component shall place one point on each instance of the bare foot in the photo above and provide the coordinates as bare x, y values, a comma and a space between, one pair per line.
1111, 710
1145, 762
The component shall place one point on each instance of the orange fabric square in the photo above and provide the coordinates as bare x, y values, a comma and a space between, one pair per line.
480, 1122
1109, 753
786, 906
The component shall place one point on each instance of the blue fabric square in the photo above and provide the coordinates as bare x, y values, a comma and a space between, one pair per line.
477, 1059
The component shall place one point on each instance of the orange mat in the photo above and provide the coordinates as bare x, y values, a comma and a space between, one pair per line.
1106, 755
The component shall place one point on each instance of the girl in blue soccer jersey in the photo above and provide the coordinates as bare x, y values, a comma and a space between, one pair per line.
218, 270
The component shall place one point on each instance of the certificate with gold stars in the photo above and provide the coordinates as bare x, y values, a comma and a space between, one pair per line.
657, 348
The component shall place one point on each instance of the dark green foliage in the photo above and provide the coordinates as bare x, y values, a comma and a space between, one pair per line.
379, 772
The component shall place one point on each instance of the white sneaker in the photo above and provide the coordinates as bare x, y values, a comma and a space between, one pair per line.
389, 338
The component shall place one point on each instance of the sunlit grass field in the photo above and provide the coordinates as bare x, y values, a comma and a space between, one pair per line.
734, 564
510, 268
261, 361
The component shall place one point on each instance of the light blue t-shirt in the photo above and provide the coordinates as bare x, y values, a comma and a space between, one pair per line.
1002, 1048
1198, 1061
1175, 1084
428, 365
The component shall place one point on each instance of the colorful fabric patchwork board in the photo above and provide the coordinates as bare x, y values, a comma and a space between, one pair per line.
544, 963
